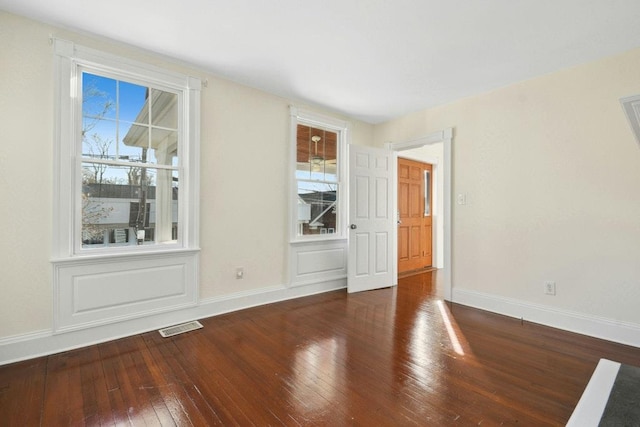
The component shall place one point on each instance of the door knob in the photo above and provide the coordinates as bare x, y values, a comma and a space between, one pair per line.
353, 226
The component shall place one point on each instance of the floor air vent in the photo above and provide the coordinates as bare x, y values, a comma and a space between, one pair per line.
180, 329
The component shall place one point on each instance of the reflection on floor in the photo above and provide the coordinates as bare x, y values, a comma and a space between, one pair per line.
395, 356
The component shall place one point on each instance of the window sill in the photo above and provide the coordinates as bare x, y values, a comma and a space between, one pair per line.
302, 241
138, 254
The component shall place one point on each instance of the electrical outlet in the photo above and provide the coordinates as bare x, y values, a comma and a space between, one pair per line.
549, 287
239, 273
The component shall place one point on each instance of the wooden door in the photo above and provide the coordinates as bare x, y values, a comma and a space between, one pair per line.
414, 215
370, 218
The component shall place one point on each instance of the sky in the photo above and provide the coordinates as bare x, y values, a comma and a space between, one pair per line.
110, 108
111, 124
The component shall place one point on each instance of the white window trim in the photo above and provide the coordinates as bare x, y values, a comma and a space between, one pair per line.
66, 191
300, 116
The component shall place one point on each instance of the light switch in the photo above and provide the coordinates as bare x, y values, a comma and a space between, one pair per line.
462, 199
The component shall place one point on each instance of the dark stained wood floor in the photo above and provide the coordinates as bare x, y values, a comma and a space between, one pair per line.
378, 358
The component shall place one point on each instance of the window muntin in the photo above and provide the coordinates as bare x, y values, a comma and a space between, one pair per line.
317, 180
130, 168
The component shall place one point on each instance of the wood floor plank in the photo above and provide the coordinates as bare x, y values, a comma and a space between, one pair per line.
396, 356
21, 392
179, 395
63, 400
96, 405
217, 377
119, 408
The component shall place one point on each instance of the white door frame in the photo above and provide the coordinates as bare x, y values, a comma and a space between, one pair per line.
446, 138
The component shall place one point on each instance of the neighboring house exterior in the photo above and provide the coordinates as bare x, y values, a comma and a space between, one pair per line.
113, 208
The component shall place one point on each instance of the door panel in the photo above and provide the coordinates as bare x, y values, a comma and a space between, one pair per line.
403, 243
415, 240
382, 252
362, 250
370, 242
415, 225
415, 198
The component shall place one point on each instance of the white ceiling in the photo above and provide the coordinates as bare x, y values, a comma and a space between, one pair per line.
370, 59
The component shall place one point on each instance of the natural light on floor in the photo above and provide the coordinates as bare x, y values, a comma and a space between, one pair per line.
452, 334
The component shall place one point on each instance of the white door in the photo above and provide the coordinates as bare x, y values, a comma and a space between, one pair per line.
370, 219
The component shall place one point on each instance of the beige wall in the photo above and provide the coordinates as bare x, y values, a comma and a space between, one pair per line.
244, 152
26, 99
551, 172
549, 166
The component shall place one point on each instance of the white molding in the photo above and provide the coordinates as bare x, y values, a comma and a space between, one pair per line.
123, 65
330, 261
432, 138
588, 412
306, 117
69, 60
93, 292
45, 342
631, 107
111, 257
325, 278
325, 247
318, 119
30, 336
150, 279
594, 326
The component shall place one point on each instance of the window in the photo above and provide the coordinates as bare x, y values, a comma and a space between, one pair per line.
318, 143
126, 154
129, 156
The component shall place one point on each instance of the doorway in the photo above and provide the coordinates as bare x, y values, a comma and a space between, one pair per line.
415, 216
442, 255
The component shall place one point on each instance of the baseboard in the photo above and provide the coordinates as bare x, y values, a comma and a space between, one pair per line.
598, 327
42, 343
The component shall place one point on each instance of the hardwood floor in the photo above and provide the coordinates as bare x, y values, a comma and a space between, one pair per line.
392, 357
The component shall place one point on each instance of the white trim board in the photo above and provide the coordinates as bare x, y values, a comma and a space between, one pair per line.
594, 399
593, 326
45, 342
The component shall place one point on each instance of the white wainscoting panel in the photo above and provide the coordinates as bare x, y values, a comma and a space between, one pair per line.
319, 261
90, 292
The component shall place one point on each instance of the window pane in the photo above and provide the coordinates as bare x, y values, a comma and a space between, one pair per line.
164, 109
135, 142
316, 153
330, 155
303, 143
317, 207
98, 116
98, 138
318, 176
164, 147
133, 103
98, 96
128, 205
118, 117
